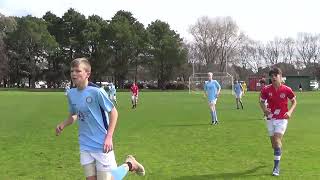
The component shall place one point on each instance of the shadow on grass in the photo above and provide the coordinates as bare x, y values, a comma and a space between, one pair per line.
223, 175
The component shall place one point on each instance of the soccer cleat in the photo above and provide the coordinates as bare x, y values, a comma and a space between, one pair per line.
136, 166
276, 172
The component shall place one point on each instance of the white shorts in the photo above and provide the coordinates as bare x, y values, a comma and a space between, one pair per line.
277, 126
134, 97
103, 161
239, 95
213, 101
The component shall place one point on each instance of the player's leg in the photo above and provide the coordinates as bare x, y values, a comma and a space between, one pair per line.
213, 112
280, 127
118, 173
240, 100
89, 165
132, 100
237, 101
136, 100
105, 163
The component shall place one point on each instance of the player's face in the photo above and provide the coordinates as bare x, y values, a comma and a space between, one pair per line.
209, 76
276, 78
79, 75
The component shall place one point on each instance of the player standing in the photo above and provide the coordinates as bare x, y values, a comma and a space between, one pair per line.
212, 90
112, 93
238, 89
134, 95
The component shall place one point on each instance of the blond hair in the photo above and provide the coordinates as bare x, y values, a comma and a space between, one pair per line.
76, 62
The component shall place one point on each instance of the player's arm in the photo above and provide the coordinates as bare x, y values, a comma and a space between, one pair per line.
70, 120
113, 118
262, 100
205, 90
292, 108
219, 88
107, 106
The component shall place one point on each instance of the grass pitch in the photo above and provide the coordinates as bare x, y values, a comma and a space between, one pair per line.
169, 133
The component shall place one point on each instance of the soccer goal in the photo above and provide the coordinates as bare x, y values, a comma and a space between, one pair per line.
197, 81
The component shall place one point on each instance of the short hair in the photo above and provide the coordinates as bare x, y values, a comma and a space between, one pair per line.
275, 71
76, 62
262, 81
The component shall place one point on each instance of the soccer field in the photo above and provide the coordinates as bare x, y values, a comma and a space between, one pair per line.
169, 133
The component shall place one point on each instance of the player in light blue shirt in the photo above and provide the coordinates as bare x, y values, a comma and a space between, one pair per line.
97, 118
112, 93
212, 90
238, 90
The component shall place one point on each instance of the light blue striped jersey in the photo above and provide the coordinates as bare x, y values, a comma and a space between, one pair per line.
212, 87
92, 106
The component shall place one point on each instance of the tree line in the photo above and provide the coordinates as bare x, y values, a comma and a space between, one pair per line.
33, 49
122, 48
220, 43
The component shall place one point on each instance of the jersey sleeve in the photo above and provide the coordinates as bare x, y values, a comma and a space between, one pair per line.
104, 101
72, 110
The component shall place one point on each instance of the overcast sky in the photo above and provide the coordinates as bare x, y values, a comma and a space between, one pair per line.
260, 19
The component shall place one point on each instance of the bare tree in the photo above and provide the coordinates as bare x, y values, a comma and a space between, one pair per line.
308, 48
248, 55
288, 50
215, 40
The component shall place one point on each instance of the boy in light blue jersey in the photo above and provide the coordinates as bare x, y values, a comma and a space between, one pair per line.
112, 93
212, 90
97, 118
238, 90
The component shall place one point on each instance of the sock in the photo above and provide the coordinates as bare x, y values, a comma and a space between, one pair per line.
277, 157
212, 116
241, 104
119, 173
215, 116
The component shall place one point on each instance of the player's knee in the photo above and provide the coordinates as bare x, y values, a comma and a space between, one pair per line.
89, 170
104, 175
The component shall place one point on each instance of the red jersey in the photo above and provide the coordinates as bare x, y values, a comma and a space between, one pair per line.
134, 89
277, 100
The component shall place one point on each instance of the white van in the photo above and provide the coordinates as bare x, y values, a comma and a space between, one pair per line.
314, 85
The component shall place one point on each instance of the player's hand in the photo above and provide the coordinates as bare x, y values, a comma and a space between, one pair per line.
59, 129
287, 115
108, 145
266, 112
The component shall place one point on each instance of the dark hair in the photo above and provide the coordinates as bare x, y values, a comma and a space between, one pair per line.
262, 81
275, 71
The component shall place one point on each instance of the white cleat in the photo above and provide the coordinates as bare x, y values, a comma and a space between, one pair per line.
276, 172
136, 166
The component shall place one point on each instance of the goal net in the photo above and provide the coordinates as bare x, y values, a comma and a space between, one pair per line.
197, 81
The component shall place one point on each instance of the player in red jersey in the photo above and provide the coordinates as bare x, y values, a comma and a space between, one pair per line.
277, 112
135, 92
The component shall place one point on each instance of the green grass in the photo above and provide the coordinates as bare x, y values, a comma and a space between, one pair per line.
169, 133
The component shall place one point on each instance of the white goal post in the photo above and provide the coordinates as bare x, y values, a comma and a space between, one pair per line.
197, 81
